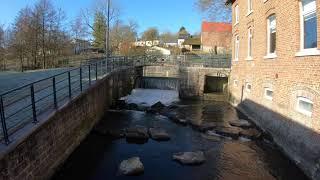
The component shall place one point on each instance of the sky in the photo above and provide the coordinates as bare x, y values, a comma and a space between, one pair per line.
166, 15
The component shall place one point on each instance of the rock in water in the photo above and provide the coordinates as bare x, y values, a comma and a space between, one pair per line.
241, 123
132, 166
190, 158
251, 133
132, 106
137, 134
159, 134
231, 132
158, 106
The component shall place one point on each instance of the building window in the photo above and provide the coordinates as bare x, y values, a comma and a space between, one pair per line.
305, 106
250, 35
272, 34
268, 93
237, 14
249, 6
236, 47
308, 24
248, 87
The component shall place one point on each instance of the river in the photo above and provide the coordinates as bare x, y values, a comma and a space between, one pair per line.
98, 157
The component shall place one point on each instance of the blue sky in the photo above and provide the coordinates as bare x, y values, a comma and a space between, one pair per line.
166, 15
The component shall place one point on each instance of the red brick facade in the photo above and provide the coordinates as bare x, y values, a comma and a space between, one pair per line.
216, 37
289, 73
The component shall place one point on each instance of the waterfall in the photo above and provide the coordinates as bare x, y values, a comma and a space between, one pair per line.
162, 83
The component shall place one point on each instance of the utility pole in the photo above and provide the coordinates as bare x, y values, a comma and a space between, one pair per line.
107, 35
108, 31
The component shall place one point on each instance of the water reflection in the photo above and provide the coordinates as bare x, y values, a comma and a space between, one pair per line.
98, 156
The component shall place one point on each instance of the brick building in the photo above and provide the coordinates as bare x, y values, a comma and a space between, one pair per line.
216, 37
275, 74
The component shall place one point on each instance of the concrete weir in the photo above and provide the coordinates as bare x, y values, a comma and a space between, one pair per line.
36, 151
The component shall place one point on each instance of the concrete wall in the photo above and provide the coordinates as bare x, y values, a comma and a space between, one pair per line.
37, 150
290, 75
192, 80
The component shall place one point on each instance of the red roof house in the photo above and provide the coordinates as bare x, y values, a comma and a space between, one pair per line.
216, 37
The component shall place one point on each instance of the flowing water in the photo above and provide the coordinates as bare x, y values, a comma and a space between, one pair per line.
98, 157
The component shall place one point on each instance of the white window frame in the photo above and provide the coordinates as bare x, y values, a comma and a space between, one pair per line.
303, 51
247, 89
266, 94
307, 113
236, 47
237, 14
250, 40
250, 7
269, 54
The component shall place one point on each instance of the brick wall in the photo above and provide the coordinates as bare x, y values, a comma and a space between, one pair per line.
288, 75
221, 40
39, 152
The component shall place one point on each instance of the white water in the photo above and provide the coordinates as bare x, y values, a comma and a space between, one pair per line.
148, 97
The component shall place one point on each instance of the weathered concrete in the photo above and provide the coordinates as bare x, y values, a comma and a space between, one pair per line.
38, 150
299, 143
192, 80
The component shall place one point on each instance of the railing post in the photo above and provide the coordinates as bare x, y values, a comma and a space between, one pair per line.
89, 74
3, 122
80, 78
33, 103
54, 92
69, 83
96, 71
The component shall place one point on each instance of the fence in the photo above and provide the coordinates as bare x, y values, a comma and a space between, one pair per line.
25, 104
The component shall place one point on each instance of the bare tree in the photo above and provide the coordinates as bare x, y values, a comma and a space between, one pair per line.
150, 34
215, 10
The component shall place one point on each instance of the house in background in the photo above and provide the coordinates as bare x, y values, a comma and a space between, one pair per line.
216, 37
146, 43
275, 76
192, 44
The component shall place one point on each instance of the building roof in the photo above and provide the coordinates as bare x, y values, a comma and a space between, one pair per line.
192, 41
216, 27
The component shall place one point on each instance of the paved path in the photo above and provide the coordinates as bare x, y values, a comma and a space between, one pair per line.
17, 104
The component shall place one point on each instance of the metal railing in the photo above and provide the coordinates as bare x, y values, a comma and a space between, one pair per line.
24, 105
27, 103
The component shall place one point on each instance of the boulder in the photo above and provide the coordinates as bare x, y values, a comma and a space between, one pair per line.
250, 133
176, 119
173, 106
241, 123
120, 104
190, 158
132, 106
229, 131
159, 134
132, 166
158, 106
137, 134
213, 135
116, 133
206, 126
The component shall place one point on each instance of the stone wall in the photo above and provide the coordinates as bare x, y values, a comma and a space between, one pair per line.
38, 150
192, 80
